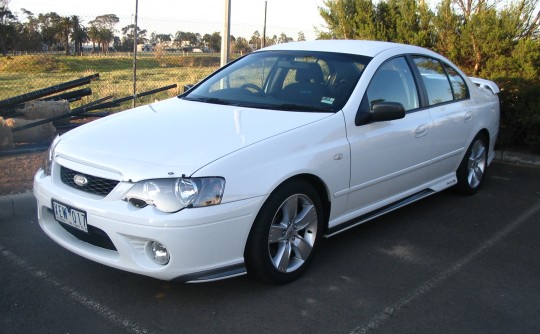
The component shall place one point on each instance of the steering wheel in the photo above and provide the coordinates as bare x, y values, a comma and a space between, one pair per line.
250, 86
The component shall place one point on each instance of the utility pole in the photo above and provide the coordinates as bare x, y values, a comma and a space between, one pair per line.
226, 38
264, 27
135, 53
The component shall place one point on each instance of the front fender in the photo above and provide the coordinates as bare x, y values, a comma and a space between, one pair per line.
319, 148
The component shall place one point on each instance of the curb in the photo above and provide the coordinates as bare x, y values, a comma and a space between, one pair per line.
518, 157
19, 205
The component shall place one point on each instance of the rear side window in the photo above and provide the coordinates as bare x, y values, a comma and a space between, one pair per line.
459, 87
435, 80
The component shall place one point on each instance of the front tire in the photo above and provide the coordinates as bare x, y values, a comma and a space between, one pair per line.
472, 169
285, 234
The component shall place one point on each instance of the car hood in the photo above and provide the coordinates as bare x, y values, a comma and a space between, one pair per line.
172, 137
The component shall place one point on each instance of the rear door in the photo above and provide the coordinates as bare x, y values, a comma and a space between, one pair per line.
451, 109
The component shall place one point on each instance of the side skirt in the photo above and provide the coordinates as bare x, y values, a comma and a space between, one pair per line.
379, 212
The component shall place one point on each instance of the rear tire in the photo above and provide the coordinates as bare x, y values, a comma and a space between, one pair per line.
473, 167
285, 234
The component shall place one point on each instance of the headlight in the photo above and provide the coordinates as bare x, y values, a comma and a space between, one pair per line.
172, 195
49, 156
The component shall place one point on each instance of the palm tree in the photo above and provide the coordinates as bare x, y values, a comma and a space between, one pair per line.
93, 35
79, 35
65, 27
102, 30
106, 36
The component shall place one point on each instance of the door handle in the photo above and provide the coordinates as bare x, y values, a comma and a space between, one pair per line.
421, 130
468, 116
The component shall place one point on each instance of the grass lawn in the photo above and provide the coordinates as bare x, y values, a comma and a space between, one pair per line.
23, 74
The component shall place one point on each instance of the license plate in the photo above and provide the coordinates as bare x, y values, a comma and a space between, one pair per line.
70, 216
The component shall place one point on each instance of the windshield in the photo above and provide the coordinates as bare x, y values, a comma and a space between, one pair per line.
284, 80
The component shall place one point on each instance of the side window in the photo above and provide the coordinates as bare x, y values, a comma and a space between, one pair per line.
435, 80
394, 82
458, 84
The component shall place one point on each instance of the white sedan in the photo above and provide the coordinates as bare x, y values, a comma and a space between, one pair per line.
250, 168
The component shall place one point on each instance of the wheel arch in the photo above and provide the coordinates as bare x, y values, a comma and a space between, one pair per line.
472, 168
320, 187
485, 132
259, 259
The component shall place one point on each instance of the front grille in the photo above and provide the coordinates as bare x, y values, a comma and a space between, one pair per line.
95, 185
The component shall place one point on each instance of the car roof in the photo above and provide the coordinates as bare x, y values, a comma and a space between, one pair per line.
360, 47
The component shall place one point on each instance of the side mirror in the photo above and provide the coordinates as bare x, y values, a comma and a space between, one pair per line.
378, 112
386, 111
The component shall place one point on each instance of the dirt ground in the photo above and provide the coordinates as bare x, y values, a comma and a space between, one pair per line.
17, 172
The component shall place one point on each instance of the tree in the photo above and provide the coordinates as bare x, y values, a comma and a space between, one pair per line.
502, 44
283, 38
366, 21
241, 45
465, 30
412, 22
79, 34
128, 38
187, 39
102, 30
212, 41
255, 41
339, 16
447, 26
474, 32
29, 37
271, 40
7, 29
49, 25
65, 28
93, 35
158, 38
301, 36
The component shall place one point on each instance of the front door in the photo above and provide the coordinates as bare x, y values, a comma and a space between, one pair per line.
389, 159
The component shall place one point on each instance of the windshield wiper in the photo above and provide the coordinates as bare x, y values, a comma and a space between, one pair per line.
299, 107
284, 106
212, 100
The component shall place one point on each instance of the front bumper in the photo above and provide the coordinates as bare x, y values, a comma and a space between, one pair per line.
203, 243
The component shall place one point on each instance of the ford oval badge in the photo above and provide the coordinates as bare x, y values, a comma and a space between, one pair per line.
80, 180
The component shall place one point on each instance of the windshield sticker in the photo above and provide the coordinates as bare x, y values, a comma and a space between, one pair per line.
327, 100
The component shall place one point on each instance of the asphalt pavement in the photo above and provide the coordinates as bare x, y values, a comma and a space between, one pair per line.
446, 264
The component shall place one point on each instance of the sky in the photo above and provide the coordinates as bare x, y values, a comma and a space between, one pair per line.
199, 16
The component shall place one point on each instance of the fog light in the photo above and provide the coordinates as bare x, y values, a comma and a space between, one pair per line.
160, 253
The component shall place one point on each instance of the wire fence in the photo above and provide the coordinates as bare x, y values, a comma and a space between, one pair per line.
168, 52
